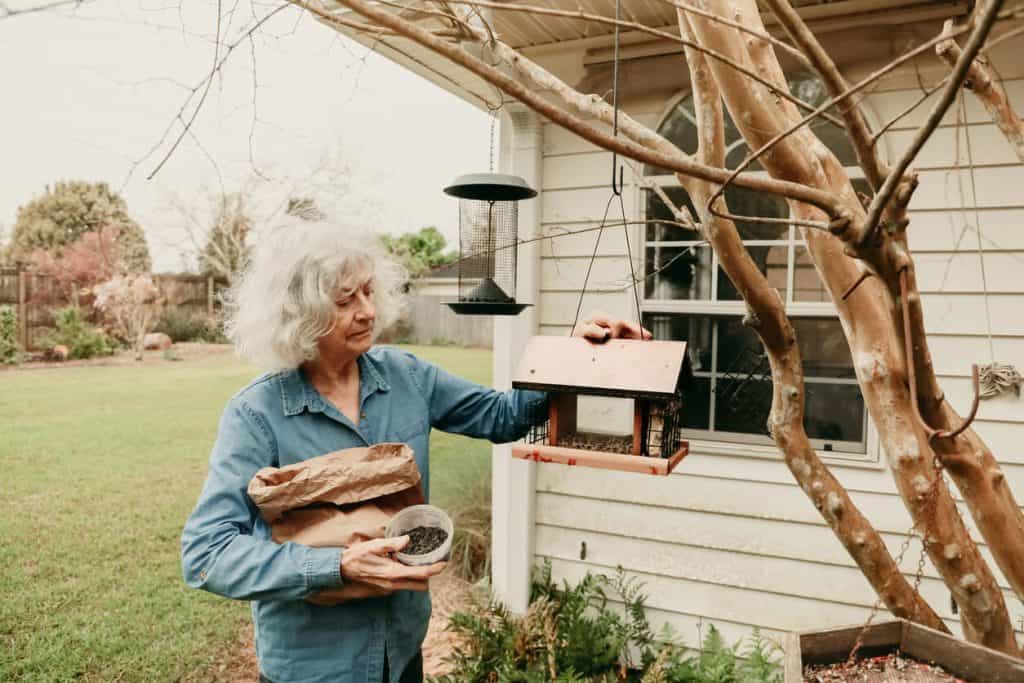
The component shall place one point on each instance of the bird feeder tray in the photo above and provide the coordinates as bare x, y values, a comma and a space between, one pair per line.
651, 373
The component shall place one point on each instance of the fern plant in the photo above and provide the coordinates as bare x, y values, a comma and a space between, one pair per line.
595, 631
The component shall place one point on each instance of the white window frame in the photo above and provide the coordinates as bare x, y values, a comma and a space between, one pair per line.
738, 443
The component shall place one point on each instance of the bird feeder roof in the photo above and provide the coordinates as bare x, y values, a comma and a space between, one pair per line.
619, 367
490, 187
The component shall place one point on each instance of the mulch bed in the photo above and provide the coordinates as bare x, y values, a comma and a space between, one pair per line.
890, 668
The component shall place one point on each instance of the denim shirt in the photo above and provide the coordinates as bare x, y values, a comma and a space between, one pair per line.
280, 419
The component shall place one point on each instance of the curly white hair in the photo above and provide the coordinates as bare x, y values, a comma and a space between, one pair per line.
285, 299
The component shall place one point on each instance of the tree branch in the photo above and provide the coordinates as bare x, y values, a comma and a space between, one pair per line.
874, 169
677, 162
963, 64
991, 93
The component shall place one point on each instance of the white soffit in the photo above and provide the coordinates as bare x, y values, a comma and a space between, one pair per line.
536, 33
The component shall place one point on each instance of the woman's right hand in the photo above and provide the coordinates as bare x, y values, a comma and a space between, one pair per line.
371, 562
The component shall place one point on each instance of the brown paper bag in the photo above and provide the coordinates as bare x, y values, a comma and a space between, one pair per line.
338, 499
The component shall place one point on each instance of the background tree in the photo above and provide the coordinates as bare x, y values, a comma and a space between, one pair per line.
69, 210
227, 247
81, 265
420, 251
859, 249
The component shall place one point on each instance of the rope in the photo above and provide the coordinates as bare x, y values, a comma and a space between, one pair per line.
996, 378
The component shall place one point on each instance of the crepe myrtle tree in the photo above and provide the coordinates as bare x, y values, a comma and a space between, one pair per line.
858, 246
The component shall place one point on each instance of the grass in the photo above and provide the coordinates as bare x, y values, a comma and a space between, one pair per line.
101, 466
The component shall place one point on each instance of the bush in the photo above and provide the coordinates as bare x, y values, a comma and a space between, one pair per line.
182, 325
471, 515
10, 354
574, 634
82, 339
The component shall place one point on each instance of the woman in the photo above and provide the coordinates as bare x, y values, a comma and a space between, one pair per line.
308, 308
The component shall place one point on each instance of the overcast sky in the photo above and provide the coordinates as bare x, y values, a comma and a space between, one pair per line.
88, 94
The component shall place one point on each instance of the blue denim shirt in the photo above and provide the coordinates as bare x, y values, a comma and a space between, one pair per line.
280, 419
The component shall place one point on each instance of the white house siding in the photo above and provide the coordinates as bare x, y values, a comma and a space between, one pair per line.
729, 538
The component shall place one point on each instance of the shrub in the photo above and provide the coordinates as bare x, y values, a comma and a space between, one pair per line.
575, 633
10, 354
182, 325
74, 332
471, 515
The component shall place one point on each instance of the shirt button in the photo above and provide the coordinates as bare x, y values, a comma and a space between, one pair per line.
362, 416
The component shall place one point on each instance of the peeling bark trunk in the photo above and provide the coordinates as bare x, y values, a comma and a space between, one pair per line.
786, 419
869, 323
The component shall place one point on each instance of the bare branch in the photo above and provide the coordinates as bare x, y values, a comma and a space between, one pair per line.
949, 92
7, 13
635, 26
677, 162
991, 93
874, 169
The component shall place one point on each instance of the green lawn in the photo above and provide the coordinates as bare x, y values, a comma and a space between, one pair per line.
100, 467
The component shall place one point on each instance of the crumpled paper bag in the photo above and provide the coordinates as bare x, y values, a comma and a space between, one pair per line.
338, 499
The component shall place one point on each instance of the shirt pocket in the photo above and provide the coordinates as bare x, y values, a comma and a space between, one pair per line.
404, 430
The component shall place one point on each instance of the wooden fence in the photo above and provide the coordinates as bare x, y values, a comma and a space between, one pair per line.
36, 296
431, 322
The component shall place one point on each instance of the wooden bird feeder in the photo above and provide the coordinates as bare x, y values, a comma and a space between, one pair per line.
651, 373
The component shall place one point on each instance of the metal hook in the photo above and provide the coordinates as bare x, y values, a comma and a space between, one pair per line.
616, 183
912, 377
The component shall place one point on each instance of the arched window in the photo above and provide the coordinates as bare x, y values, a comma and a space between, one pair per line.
688, 297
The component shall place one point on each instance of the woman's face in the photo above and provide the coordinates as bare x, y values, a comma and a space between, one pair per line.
355, 316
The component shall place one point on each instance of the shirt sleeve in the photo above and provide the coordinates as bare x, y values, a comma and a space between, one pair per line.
219, 552
463, 407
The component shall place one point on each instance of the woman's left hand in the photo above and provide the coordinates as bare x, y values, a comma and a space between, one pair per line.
600, 327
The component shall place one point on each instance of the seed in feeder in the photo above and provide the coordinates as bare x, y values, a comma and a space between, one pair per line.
424, 539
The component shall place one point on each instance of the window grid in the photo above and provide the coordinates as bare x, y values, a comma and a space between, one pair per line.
855, 450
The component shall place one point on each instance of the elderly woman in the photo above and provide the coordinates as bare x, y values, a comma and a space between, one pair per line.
308, 309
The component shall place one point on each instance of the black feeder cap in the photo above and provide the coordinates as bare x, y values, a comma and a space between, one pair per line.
490, 187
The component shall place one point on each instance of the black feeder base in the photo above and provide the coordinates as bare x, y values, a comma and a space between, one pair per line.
486, 307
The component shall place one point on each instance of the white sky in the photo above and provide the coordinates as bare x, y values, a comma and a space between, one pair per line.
86, 94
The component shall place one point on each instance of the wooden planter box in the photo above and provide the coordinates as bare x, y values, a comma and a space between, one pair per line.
971, 662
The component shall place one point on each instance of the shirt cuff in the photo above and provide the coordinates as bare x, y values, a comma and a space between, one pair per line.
322, 568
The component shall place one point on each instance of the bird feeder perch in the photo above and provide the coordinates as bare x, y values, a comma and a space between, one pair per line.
488, 237
651, 373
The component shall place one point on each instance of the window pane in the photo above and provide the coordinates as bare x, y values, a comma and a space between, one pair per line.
656, 210
834, 412
743, 390
772, 262
742, 406
677, 273
744, 202
823, 348
696, 332
693, 329
679, 126
807, 285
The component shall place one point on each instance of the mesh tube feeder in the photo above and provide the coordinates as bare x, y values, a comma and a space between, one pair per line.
488, 237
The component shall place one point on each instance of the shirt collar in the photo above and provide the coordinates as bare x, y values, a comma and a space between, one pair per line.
298, 394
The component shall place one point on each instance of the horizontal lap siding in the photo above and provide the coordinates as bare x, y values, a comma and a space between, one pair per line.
729, 538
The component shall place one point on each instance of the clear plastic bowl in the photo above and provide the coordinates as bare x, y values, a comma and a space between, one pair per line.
422, 515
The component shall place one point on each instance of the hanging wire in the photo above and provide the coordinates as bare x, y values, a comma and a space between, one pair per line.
617, 182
